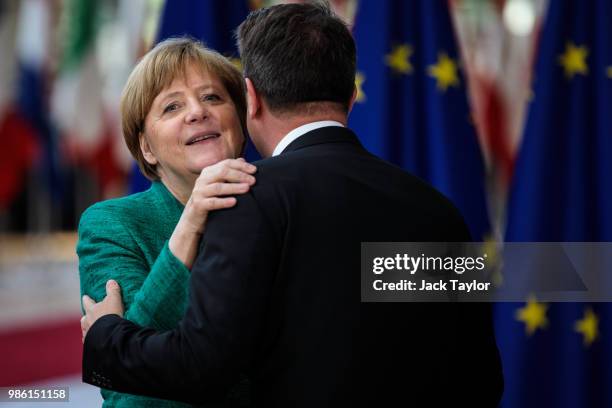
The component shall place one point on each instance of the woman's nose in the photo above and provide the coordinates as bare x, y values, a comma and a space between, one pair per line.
196, 112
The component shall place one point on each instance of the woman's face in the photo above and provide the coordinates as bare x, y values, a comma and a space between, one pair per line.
192, 124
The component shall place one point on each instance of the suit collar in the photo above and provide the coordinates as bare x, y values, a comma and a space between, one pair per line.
331, 134
302, 130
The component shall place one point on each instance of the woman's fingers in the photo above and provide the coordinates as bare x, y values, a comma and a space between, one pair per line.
224, 189
240, 164
235, 176
229, 170
217, 203
206, 204
217, 195
220, 181
88, 303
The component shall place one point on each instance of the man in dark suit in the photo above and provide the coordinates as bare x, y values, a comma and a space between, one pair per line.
275, 291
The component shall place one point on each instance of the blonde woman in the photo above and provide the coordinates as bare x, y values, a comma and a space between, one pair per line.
183, 117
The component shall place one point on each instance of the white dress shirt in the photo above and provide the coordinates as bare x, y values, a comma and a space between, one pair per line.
299, 131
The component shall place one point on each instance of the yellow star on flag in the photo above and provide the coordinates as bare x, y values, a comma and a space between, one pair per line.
490, 247
359, 80
236, 62
609, 72
399, 59
445, 72
533, 315
588, 327
573, 60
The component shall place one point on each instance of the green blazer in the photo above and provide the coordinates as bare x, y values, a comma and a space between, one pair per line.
126, 239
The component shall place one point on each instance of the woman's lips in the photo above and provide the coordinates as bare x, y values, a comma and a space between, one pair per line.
201, 138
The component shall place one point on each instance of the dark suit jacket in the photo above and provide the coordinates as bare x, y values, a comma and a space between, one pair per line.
275, 293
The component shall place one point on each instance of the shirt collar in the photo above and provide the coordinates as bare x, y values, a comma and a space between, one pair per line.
299, 131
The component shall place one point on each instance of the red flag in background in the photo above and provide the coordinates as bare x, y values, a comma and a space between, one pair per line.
19, 147
18, 152
498, 49
89, 128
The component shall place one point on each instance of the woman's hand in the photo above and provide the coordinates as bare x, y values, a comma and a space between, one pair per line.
213, 190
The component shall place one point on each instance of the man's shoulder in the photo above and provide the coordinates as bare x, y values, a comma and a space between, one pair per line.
424, 200
269, 164
428, 202
278, 172
352, 169
294, 167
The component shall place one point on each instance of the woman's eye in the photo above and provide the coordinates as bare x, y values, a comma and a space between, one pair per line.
171, 107
211, 97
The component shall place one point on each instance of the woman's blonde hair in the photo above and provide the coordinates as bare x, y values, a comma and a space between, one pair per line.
167, 61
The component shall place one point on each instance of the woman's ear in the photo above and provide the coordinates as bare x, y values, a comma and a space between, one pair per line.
146, 150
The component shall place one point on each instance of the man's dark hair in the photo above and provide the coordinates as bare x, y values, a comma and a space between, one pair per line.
296, 54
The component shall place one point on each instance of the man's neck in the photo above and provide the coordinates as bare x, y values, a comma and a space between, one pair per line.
300, 131
280, 125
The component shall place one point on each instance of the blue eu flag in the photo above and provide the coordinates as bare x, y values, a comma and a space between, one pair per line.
411, 107
211, 21
560, 355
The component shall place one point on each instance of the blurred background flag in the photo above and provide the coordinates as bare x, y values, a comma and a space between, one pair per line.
560, 355
411, 107
212, 22
86, 128
32, 80
17, 136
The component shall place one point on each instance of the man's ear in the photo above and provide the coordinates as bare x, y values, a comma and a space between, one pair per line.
253, 99
146, 150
